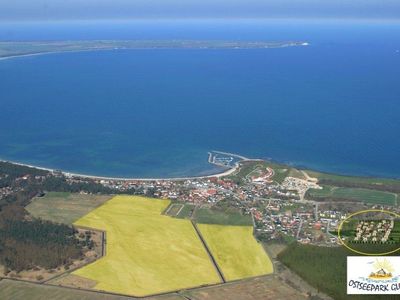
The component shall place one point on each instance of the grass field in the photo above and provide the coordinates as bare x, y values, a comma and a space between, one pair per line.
207, 215
186, 211
353, 179
297, 174
64, 207
236, 251
173, 209
17, 290
180, 210
357, 194
147, 252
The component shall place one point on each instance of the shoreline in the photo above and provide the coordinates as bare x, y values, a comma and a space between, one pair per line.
54, 52
26, 55
223, 173
229, 170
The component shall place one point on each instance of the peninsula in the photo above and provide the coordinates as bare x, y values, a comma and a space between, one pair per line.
14, 49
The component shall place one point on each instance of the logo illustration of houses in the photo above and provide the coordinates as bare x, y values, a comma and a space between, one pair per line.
383, 269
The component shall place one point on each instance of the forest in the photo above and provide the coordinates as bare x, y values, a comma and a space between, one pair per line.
29, 244
25, 242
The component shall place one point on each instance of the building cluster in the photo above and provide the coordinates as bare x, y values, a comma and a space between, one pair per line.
9, 187
374, 231
301, 186
295, 220
5, 191
275, 207
199, 190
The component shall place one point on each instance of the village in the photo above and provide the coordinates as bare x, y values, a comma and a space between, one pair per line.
280, 210
374, 231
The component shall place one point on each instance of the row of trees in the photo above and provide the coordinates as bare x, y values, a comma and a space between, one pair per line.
60, 184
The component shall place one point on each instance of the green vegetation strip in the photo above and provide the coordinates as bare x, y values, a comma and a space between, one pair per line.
222, 217
356, 194
186, 211
381, 184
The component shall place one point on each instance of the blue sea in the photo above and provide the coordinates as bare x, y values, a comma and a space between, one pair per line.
332, 106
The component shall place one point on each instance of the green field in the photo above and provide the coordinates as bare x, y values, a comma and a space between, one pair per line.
297, 174
64, 207
18, 290
180, 210
207, 215
353, 179
372, 183
173, 209
236, 251
146, 252
357, 194
186, 211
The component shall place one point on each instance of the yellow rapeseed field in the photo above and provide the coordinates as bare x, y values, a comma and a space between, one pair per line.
236, 251
146, 252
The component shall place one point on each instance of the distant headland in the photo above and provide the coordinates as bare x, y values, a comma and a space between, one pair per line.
28, 48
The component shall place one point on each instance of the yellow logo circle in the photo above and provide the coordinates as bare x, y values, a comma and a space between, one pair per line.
359, 213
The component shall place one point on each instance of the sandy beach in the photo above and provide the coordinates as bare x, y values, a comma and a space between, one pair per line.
227, 172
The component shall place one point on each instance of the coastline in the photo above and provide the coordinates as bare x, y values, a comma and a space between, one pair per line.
230, 170
54, 52
27, 55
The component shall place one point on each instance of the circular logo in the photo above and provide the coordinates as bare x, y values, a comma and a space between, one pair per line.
359, 213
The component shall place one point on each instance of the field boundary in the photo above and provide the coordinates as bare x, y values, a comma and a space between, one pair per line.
168, 293
166, 211
218, 269
102, 254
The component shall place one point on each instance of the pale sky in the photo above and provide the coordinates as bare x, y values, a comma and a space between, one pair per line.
131, 9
